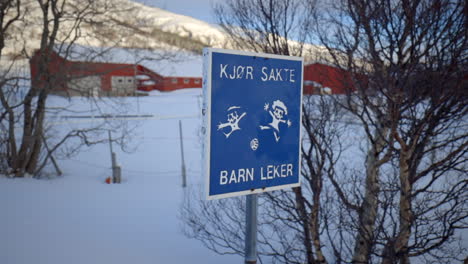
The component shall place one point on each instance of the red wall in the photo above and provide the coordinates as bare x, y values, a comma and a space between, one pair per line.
56, 68
338, 80
105, 70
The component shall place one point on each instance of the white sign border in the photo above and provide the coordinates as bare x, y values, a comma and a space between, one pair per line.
206, 111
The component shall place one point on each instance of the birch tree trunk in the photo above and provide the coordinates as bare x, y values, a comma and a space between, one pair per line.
406, 214
368, 210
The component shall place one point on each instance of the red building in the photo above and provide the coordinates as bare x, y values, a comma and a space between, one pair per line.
325, 79
99, 78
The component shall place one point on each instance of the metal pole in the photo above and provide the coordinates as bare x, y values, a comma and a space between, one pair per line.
110, 140
251, 203
113, 160
115, 171
184, 175
118, 174
114, 168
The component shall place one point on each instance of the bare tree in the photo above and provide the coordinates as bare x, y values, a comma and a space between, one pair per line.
413, 108
270, 26
46, 28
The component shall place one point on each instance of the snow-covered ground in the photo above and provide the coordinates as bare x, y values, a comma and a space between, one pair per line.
77, 218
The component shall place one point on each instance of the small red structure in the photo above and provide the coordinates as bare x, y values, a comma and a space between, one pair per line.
325, 79
99, 78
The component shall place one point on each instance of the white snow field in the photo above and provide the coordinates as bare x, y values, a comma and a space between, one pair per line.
77, 218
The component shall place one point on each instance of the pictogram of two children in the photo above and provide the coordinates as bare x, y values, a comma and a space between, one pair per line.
277, 112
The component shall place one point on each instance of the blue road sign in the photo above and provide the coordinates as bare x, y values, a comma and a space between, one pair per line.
252, 111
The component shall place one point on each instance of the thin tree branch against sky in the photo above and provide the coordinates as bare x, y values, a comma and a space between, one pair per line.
199, 9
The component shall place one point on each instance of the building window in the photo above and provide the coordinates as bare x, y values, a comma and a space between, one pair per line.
186, 81
119, 80
174, 80
197, 81
130, 80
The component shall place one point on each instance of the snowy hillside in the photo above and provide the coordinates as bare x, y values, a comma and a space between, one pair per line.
135, 24
178, 24
125, 24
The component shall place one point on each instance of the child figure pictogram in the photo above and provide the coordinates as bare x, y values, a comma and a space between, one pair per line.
277, 113
233, 119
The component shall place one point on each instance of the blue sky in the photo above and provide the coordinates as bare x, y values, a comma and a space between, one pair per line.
199, 9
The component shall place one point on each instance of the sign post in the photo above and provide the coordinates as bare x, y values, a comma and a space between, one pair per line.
184, 173
252, 109
251, 206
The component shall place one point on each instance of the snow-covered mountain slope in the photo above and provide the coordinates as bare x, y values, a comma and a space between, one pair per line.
181, 25
121, 23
